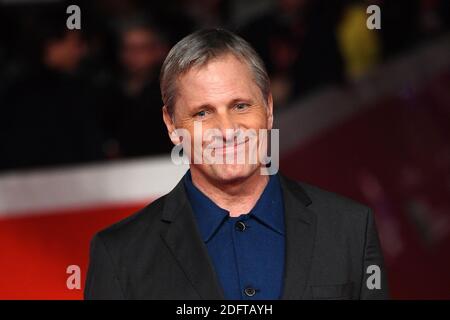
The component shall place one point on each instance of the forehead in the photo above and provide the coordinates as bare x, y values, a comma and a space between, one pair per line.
222, 78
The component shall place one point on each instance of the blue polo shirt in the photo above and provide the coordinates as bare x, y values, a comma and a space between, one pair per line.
247, 251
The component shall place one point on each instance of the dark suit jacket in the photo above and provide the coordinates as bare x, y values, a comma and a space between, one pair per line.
157, 253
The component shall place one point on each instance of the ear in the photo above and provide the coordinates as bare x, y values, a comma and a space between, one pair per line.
269, 111
170, 126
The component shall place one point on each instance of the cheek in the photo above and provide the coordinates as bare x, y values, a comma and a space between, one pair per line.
256, 120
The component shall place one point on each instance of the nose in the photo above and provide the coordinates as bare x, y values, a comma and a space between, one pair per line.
225, 121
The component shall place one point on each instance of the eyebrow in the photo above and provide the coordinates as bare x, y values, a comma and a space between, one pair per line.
230, 104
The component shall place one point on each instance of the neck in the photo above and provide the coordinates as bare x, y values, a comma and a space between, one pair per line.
237, 197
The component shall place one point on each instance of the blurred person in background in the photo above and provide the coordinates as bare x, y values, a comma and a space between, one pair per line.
360, 47
130, 109
297, 40
47, 113
207, 13
404, 24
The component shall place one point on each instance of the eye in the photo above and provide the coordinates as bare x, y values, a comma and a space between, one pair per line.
200, 114
241, 106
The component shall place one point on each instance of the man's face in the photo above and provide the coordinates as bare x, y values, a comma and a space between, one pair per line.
221, 95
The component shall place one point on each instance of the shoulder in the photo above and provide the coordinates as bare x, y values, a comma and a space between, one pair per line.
329, 200
335, 209
340, 222
128, 232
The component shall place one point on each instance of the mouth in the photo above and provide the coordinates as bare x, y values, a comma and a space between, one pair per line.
227, 147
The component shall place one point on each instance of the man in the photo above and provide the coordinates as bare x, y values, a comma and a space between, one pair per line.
47, 114
130, 123
227, 230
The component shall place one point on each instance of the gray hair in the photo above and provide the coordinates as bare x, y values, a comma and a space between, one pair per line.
199, 48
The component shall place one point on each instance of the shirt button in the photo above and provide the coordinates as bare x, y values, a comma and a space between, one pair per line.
249, 292
240, 226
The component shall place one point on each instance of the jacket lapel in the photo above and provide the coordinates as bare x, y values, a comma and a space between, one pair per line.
300, 236
184, 241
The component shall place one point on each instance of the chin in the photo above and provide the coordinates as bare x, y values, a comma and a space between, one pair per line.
228, 173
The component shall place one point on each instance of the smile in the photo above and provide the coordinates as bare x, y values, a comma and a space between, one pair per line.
226, 148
